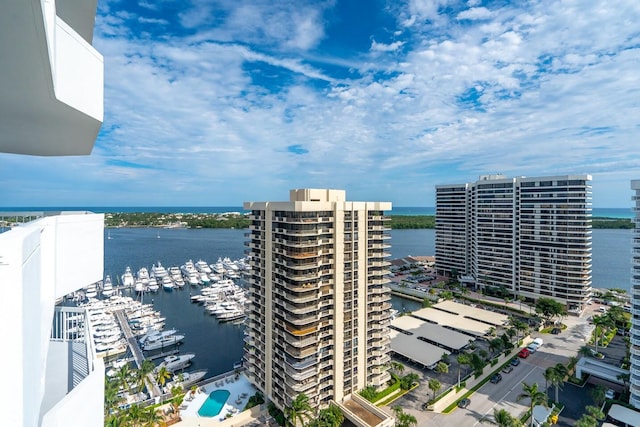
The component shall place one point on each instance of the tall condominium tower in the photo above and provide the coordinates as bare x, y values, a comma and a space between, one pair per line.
530, 236
635, 293
319, 305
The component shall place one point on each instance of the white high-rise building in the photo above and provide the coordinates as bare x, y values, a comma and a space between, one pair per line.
635, 307
51, 104
529, 236
319, 304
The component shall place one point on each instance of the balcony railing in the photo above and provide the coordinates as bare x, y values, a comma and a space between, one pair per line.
72, 325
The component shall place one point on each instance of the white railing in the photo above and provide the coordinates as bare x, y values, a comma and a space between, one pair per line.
71, 324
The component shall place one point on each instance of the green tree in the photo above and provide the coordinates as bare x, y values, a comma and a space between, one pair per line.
397, 367
177, 394
403, 419
591, 417
134, 415
560, 372
146, 368
111, 397
298, 411
598, 394
369, 393
151, 417
495, 345
163, 375
502, 418
331, 416
123, 376
463, 359
549, 308
534, 395
408, 380
602, 325
441, 368
434, 386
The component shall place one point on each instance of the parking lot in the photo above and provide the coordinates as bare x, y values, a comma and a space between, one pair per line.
556, 349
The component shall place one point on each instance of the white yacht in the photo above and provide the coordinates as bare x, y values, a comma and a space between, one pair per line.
158, 271
143, 276
179, 282
127, 278
153, 285
139, 286
163, 342
185, 379
176, 362
156, 335
107, 288
91, 291
203, 267
187, 268
167, 283
193, 279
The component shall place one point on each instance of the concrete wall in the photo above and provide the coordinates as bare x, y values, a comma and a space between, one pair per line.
40, 261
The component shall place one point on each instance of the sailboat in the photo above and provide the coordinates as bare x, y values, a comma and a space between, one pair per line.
108, 234
158, 235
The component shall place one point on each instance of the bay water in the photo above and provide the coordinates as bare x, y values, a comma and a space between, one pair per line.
218, 345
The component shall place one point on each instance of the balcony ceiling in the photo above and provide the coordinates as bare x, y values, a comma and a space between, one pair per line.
33, 121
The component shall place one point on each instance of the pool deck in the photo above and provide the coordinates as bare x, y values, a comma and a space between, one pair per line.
234, 405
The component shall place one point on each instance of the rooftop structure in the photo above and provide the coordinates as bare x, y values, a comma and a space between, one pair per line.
319, 304
529, 236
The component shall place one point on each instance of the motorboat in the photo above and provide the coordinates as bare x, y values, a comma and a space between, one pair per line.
140, 287
187, 268
127, 278
176, 362
167, 283
107, 288
155, 335
193, 279
153, 285
158, 271
91, 291
155, 344
203, 267
185, 379
179, 282
143, 276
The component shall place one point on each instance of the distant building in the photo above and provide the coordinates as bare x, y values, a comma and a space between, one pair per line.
529, 236
319, 304
635, 303
51, 104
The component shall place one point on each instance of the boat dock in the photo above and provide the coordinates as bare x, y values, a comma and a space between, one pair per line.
138, 357
130, 337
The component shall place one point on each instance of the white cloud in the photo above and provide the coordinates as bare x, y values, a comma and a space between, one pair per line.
382, 47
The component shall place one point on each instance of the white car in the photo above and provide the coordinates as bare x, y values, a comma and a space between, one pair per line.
610, 394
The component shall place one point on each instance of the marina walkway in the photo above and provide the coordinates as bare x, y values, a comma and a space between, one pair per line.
138, 357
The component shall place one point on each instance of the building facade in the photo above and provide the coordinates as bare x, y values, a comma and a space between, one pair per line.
51, 104
319, 304
528, 236
635, 307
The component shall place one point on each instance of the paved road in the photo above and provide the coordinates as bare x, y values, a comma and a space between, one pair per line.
556, 349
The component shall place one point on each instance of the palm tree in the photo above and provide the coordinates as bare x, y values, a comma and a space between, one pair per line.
585, 350
111, 397
123, 376
535, 396
441, 368
502, 418
495, 344
403, 419
298, 411
163, 375
602, 323
434, 385
141, 375
560, 372
331, 416
463, 359
408, 380
151, 417
178, 398
548, 375
134, 415
397, 367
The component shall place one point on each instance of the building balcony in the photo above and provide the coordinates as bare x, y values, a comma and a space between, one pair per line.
300, 232
301, 331
302, 374
300, 220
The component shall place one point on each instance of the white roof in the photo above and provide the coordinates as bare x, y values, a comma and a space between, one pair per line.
419, 351
455, 321
433, 333
626, 415
476, 313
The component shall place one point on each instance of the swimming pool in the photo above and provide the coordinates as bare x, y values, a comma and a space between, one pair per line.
214, 403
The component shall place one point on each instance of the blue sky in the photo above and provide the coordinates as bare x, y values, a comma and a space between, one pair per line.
218, 102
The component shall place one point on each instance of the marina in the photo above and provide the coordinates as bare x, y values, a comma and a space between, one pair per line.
129, 333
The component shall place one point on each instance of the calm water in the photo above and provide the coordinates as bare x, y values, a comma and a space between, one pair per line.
218, 346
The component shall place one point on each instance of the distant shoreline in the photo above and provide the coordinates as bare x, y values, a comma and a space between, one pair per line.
237, 220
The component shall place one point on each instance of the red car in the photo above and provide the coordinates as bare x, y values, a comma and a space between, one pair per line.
524, 353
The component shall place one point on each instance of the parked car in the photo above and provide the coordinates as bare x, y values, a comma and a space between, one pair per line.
463, 403
496, 379
556, 331
515, 361
524, 353
507, 369
609, 394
